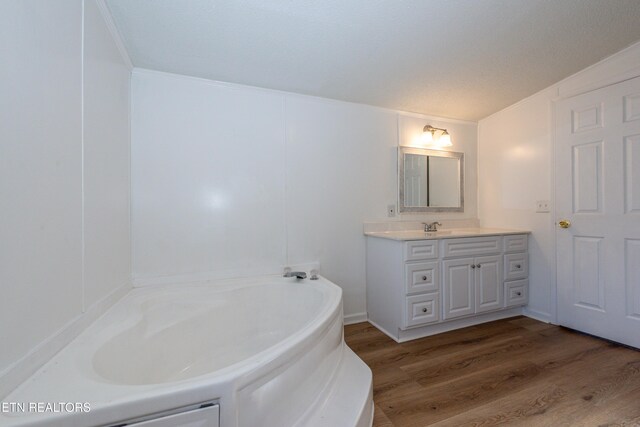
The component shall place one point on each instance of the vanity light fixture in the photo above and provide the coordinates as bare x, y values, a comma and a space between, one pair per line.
428, 136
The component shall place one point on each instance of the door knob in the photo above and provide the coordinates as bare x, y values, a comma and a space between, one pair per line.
564, 223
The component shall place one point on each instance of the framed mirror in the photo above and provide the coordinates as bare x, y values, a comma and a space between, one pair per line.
430, 180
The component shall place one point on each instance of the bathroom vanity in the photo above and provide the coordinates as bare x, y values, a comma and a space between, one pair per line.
423, 283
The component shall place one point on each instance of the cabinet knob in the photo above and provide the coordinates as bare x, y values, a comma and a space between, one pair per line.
519, 293
478, 265
473, 266
424, 277
518, 266
424, 310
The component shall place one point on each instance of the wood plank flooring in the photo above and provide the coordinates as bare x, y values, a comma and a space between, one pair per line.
517, 371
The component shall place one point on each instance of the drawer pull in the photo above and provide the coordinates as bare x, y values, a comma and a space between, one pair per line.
518, 266
424, 278
424, 310
519, 293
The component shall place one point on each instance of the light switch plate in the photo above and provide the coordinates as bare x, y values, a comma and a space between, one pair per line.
543, 206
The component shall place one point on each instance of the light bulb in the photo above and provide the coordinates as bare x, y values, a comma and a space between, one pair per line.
427, 137
445, 139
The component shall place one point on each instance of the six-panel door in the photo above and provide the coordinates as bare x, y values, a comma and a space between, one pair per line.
598, 212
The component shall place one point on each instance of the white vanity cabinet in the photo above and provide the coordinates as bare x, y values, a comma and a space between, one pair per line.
421, 287
472, 284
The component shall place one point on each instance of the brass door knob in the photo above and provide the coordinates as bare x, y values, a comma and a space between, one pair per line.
564, 223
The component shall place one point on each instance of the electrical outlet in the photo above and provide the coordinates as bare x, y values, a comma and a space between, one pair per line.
543, 206
391, 211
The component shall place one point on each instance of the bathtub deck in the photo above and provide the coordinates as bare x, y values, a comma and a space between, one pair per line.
510, 372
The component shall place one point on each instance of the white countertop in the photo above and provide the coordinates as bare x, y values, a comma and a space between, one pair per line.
452, 233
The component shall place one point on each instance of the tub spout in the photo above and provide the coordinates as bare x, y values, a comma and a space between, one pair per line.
296, 274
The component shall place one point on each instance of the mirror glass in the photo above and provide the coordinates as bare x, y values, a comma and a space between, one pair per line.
430, 180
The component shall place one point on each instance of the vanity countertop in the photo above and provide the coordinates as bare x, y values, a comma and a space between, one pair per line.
451, 233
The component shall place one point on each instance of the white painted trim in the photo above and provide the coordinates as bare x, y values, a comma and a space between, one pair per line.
587, 79
115, 34
26, 366
383, 330
438, 328
608, 81
237, 86
553, 278
538, 315
350, 319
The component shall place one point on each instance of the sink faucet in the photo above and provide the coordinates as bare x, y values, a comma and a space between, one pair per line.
433, 226
296, 274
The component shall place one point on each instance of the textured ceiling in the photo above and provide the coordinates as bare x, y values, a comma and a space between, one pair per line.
454, 58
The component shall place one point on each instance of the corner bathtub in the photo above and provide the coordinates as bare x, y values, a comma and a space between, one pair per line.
262, 352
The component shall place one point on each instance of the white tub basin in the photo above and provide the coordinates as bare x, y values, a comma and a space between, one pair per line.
268, 351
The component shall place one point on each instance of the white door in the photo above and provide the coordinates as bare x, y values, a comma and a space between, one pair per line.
598, 194
489, 285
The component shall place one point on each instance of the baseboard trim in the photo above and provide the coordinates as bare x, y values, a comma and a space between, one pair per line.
384, 331
438, 328
22, 369
537, 315
350, 319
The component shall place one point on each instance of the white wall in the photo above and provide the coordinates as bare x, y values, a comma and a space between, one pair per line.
516, 168
234, 180
56, 181
514, 172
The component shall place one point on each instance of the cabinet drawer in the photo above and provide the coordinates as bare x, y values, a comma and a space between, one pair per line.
471, 246
422, 309
516, 292
515, 243
421, 249
516, 266
422, 277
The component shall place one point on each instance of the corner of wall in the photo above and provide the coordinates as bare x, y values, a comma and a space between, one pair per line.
115, 34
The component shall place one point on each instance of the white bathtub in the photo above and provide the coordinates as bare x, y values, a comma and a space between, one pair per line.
264, 351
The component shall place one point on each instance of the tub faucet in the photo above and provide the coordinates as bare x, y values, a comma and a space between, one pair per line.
296, 274
431, 226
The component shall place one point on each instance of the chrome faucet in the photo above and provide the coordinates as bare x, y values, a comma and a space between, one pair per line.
296, 274
433, 226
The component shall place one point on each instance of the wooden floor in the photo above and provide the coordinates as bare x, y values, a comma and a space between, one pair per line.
510, 372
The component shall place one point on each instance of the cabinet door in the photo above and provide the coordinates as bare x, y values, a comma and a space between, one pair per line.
458, 288
489, 285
